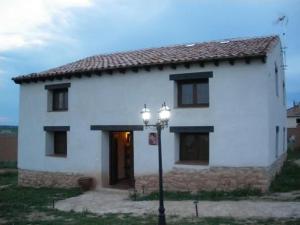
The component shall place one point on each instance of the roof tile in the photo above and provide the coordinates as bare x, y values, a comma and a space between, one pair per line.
215, 50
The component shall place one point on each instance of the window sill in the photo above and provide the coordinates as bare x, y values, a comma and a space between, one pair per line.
191, 106
180, 165
56, 155
62, 110
199, 163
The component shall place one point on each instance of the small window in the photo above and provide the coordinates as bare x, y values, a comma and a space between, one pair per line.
57, 96
283, 93
60, 143
194, 148
283, 140
56, 143
60, 99
276, 80
277, 141
193, 93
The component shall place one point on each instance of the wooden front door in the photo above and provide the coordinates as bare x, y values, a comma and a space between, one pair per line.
129, 160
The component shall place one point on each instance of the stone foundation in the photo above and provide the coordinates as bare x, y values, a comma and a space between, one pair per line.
30, 178
214, 178
179, 179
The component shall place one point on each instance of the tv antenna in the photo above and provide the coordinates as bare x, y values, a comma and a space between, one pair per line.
282, 21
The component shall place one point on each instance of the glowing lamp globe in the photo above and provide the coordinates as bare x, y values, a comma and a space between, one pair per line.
146, 115
164, 113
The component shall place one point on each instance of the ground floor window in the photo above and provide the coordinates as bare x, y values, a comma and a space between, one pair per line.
56, 143
283, 139
277, 142
60, 143
194, 148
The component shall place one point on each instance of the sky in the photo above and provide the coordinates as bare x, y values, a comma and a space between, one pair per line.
36, 35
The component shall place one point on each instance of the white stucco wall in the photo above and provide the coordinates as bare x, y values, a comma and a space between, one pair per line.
276, 104
241, 111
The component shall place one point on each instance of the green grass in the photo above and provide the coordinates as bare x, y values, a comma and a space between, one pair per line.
8, 178
8, 165
238, 194
289, 177
24, 206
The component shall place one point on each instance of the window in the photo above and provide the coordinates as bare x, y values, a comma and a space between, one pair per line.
283, 140
56, 140
277, 140
193, 93
194, 148
58, 96
298, 121
276, 80
60, 99
60, 143
283, 93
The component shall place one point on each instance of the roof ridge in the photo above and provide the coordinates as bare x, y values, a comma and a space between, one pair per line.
186, 43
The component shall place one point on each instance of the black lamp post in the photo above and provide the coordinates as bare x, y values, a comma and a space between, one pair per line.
164, 116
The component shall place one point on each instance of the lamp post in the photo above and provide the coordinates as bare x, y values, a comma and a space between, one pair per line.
164, 116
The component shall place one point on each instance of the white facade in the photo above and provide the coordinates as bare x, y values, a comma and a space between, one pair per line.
292, 122
243, 109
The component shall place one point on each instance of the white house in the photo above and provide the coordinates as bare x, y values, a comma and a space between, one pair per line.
227, 128
293, 125
293, 116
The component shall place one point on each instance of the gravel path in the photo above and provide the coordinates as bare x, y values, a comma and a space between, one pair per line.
107, 201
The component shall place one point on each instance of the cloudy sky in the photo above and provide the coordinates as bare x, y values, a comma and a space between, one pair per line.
39, 34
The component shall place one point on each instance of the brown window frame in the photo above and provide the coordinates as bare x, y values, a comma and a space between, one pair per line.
196, 161
56, 136
194, 82
55, 105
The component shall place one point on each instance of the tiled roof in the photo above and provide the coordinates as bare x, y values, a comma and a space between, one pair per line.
294, 111
198, 52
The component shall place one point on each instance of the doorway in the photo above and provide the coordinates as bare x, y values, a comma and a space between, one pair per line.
121, 160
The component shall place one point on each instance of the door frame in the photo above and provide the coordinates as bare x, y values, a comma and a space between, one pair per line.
114, 171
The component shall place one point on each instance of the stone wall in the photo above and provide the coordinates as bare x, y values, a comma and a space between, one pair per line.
29, 178
179, 179
213, 178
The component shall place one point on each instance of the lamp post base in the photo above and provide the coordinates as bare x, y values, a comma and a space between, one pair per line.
161, 220
161, 217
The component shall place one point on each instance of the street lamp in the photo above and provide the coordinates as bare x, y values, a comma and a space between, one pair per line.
164, 116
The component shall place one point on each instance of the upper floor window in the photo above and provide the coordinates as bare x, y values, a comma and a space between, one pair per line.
192, 89
276, 80
193, 93
58, 97
283, 93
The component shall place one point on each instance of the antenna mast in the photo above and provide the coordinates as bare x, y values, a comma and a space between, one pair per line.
283, 21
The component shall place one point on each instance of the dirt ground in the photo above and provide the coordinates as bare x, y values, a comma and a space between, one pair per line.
108, 201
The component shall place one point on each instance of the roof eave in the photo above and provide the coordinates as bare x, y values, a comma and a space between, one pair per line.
34, 77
